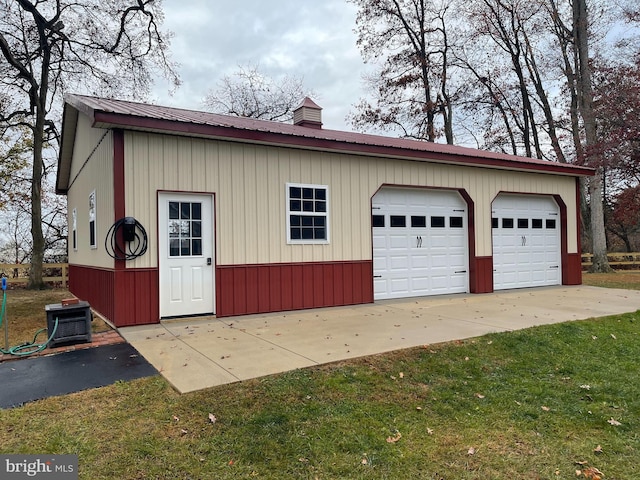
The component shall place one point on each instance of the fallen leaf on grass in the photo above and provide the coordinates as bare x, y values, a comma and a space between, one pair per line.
176, 418
471, 451
613, 422
546, 409
429, 431
183, 431
592, 473
395, 438
401, 375
598, 449
479, 395
212, 418
614, 337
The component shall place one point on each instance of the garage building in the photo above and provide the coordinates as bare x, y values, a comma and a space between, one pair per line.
175, 212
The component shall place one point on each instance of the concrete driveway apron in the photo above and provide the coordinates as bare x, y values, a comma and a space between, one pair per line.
197, 353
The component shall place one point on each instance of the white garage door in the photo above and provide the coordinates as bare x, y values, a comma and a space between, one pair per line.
419, 243
526, 241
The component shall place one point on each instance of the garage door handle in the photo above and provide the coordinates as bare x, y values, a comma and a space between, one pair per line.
377, 276
419, 242
461, 271
524, 241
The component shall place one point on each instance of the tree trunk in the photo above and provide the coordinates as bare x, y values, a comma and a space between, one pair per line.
37, 254
585, 105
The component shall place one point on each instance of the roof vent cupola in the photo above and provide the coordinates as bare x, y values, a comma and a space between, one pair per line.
308, 114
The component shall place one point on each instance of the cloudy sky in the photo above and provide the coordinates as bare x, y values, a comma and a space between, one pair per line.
309, 38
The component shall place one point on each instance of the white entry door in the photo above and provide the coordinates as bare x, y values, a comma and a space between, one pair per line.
419, 243
526, 241
185, 230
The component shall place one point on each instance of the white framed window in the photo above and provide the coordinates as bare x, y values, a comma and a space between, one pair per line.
93, 237
307, 213
74, 229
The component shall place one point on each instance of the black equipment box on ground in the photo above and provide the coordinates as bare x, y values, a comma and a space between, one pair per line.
74, 323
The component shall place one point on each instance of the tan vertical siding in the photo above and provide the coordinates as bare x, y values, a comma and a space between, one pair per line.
91, 169
249, 186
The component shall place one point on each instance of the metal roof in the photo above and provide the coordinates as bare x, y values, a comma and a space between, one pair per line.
127, 115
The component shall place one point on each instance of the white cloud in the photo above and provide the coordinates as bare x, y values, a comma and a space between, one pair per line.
309, 38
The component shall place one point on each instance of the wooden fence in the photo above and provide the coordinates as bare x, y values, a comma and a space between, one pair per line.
617, 261
56, 274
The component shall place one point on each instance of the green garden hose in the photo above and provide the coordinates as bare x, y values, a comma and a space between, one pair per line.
27, 348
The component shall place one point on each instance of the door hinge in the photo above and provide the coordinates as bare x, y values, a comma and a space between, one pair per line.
377, 276
461, 271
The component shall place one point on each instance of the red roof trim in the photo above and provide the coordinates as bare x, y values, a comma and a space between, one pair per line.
108, 113
259, 136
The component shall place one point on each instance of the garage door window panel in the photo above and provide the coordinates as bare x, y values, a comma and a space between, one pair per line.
398, 221
307, 214
437, 222
377, 221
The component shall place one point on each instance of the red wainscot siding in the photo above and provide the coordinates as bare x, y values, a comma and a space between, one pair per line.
481, 275
262, 288
124, 297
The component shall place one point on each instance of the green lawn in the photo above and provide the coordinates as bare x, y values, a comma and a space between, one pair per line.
553, 402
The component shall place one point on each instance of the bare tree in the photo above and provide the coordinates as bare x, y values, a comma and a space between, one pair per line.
49, 47
584, 89
250, 93
410, 41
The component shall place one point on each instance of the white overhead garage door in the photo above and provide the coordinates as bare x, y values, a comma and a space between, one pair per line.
526, 241
419, 243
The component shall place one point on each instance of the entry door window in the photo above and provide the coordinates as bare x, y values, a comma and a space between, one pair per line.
185, 229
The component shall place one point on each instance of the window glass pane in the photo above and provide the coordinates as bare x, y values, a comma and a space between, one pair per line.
308, 208
185, 210
196, 247
377, 220
523, 223
455, 222
551, 223
92, 233
185, 228
507, 223
494, 223
398, 221
174, 228
196, 211
185, 247
174, 210
536, 223
196, 229
418, 221
437, 222
174, 248
295, 192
